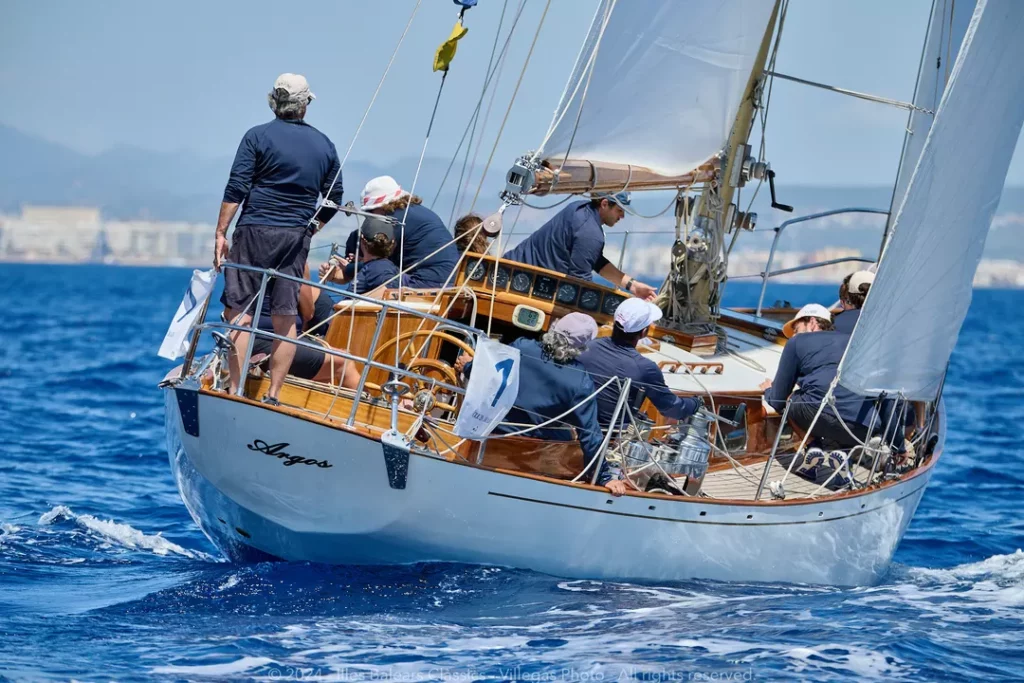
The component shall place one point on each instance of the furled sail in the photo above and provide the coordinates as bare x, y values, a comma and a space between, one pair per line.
946, 28
659, 83
917, 304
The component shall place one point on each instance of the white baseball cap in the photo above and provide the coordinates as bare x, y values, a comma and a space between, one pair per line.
808, 311
380, 191
634, 315
859, 279
291, 87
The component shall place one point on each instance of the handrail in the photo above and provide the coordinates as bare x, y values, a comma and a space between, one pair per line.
801, 219
334, 352
352, 295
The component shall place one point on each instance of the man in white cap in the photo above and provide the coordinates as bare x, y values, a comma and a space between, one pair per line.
810, 359
280, 170
852, 293
616, 356
572, 242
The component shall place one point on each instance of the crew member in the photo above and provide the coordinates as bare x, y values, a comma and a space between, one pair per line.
852, 293
424, 247
376, 270
572, 242
552, 381
616, 356
279, 171
810, 359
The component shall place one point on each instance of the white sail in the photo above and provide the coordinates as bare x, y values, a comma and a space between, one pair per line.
916, 306
664, 86
946, 28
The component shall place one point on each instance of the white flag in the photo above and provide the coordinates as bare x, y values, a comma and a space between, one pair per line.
199, 289
493, 388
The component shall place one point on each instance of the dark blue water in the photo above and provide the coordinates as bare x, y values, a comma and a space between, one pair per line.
104, 576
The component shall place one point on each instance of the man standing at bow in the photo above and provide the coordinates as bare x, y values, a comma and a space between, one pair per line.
280, 170
573, 243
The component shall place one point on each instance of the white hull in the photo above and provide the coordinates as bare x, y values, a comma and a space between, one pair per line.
246, 500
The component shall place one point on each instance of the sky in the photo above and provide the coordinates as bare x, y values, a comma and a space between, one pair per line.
193, 75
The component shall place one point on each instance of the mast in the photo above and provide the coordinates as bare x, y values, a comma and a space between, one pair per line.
691, 291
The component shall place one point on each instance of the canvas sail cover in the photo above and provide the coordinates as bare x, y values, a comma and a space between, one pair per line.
946, 28
660, 82
915, 307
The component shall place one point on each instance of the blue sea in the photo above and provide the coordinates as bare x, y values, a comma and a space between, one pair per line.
103, 575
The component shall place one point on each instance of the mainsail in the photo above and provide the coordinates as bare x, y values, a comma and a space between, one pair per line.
659, 83
946, 28
917, 304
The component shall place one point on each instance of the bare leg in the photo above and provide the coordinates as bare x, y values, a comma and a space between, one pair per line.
281, 353
237, 354
338, 371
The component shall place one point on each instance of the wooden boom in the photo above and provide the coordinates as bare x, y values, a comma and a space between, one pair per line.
577, 176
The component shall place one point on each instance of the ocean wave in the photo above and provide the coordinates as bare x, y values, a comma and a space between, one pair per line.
123, 535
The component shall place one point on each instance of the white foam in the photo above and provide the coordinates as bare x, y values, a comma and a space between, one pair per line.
230, 583
224, 669
998, 568
121, 534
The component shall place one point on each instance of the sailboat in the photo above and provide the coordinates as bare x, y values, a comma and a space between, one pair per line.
387, 473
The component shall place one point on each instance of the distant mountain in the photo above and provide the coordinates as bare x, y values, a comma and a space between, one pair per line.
132, 183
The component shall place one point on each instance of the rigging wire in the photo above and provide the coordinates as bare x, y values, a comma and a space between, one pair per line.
376, 92
508, 111
475, 117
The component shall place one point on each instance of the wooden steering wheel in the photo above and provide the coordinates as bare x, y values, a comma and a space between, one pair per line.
427, 366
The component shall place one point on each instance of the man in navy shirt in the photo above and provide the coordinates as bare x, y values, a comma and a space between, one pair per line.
616, 356
424, 247
572, 242
852, 293
376, 244
279, 170
551, 382
810, 359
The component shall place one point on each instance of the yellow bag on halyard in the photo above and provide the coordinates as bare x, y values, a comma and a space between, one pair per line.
199, 289
446, 52
492, 389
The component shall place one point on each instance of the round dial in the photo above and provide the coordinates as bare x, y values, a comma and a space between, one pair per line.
521, 282
590, 299
477, 271
503, 275
567, 293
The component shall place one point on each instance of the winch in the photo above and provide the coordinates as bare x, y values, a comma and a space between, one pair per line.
683, 454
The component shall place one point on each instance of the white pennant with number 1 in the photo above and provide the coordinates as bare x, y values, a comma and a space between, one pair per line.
492, 389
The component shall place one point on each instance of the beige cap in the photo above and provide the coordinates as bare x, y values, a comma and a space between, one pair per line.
859, 279
291, 87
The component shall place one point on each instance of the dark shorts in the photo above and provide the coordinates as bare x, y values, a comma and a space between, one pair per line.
306, 364
828, 430
282, 249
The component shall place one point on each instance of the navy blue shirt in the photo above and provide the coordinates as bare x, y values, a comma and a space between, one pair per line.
604, 358
424, 234
280, 169
811, 359
845, 321
572, 242
373, 274
546, 390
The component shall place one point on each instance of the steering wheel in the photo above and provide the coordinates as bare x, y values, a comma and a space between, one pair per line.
426, 366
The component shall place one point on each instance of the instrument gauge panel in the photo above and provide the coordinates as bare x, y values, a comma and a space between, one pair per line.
567, 293
521, 281
544, 287
590, 300
611, 302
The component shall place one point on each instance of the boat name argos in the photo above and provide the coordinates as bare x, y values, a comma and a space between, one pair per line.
277, 450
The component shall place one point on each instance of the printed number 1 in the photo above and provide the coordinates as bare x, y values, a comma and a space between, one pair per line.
505, 368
